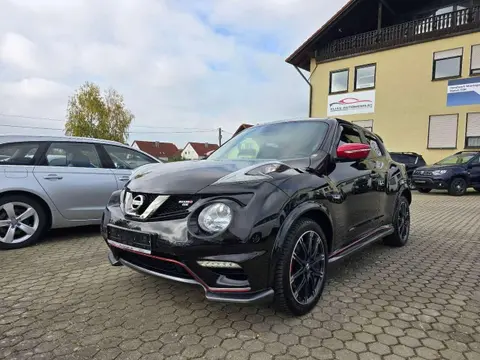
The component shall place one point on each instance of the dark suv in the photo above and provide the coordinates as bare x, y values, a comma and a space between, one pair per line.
455, 173
262, 226
411, 161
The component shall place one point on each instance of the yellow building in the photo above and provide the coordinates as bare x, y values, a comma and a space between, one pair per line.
408, 69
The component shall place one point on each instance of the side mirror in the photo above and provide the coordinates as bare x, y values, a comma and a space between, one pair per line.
353, 152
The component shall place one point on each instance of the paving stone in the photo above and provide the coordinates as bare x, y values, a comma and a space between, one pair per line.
413, 302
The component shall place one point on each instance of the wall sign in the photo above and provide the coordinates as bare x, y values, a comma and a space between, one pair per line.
362, 102
463, 92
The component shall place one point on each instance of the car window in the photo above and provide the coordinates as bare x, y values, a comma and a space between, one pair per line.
349, 136
124, 158
375, 146
72, 154
476, 160
18, 153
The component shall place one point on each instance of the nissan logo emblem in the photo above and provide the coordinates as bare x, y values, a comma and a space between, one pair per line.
137, 202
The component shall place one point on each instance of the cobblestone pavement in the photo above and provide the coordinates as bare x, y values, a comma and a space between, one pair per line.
62, 300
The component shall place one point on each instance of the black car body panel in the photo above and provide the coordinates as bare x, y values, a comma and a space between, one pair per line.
353, 201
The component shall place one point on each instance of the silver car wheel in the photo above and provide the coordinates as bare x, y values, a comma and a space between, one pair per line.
18, 222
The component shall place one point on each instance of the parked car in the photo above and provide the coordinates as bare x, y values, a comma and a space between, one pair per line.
54, 182
262, 229
411, 160
455, 173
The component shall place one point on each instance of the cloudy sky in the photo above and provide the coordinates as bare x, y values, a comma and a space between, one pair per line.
185, 67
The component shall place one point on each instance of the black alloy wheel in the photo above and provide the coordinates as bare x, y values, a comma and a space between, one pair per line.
401, 224
302, 267
424, 191
458, 187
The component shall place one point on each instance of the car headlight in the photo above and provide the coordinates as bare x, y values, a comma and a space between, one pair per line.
439, 172
215, 218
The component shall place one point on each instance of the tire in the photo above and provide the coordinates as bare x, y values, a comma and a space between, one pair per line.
424, 191
401, 224
17, 232
311, 271
458, 187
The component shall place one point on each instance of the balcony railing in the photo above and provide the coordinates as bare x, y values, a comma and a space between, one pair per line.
431, 28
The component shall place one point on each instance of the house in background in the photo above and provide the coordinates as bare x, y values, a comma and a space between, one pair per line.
160, 150
241, 128
407, 69
194, 150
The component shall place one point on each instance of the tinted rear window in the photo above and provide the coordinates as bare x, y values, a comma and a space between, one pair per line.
18, 153
404, 158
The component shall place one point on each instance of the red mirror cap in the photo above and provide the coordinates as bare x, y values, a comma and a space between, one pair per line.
354, 151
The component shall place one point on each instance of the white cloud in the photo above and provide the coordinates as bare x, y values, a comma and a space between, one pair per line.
182, 63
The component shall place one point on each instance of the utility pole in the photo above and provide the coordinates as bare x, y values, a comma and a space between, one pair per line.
219, 136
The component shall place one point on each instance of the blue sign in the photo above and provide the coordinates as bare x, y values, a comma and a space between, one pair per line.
463, 92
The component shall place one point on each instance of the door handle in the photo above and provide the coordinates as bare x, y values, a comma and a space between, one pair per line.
123, 178
53, 177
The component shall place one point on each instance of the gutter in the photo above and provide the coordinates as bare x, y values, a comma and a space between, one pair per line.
310, 86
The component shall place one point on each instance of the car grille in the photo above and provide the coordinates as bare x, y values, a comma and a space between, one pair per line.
175, 207
159, 266
423, 173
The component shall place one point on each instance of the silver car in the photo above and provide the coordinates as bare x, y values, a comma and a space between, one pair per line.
58, 182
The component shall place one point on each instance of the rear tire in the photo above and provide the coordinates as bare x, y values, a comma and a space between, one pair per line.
301, 270
401, 224
458, 187
424, 191
22, 221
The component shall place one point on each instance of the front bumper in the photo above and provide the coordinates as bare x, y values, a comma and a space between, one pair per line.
437, 183
219, 294
173, 258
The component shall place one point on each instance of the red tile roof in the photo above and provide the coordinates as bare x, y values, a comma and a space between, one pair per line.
241, 128
203, 148
157, 149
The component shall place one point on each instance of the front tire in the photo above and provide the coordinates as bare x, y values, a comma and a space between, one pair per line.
401, 224
22, 221
424, 191
301, 270
458, 187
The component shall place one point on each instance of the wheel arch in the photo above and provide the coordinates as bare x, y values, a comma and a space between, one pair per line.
39, 199
310, 210
407, 193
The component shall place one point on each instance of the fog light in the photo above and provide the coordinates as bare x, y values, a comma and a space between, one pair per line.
219, 264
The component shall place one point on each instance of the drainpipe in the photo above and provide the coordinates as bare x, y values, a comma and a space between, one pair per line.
310, 86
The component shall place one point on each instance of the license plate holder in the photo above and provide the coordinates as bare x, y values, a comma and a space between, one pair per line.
128, 239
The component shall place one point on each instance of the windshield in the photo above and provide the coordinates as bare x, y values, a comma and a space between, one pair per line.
279, 141
462, 158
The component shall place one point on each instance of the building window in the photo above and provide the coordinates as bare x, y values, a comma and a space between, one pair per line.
472, 139
366, 124
442, 132
475, 60
365, 77
447, 64
339, 81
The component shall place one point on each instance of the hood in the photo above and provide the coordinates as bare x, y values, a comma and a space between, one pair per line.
185, 177
438, 167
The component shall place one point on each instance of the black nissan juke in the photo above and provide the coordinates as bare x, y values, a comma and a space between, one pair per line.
264, 215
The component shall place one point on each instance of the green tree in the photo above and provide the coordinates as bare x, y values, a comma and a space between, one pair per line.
91, 114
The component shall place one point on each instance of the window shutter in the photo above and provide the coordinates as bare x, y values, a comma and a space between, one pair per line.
367, 124
448, 54
443, 131
473, 124
476, 57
